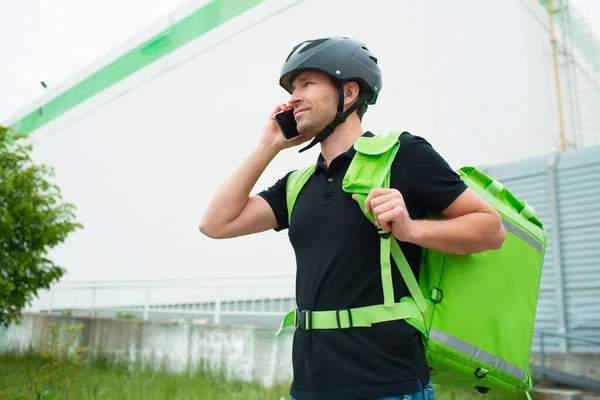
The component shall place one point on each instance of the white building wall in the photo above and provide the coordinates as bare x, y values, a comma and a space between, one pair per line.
142, 159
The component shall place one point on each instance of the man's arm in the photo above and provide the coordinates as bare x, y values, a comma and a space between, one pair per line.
233, 212
469, 224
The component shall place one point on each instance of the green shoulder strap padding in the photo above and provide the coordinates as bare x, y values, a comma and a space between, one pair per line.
370, 166
294, 185
362, 175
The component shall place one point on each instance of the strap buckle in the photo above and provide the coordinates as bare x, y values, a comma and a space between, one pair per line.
301, 320
437, 295
480, 373
339, 323
383, 233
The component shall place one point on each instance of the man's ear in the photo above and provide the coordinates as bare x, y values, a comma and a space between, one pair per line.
351, 92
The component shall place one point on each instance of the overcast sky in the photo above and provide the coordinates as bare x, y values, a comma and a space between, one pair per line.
52, 40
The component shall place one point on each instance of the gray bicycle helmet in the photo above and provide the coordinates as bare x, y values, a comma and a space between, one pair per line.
342, 58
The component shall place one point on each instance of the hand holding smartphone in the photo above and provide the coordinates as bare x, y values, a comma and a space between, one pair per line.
287, 124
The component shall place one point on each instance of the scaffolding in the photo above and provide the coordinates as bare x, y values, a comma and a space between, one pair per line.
578, 76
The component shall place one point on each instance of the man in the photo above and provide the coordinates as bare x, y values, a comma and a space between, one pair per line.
331, 82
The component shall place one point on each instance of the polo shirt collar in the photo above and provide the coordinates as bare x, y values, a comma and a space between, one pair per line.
349, 154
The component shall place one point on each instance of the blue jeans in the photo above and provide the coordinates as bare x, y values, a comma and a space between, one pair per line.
425, 394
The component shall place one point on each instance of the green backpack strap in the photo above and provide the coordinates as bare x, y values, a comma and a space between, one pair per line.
370, 168
294, 185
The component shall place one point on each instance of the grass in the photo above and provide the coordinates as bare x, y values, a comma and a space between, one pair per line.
60, 371
103, 380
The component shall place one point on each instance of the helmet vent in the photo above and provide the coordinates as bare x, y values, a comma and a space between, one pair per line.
293, 51
312, 43
371, 57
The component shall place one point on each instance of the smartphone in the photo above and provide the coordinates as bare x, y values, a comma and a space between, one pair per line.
287, 124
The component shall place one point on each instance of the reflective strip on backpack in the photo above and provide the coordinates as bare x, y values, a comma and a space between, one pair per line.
476, 353
512, 228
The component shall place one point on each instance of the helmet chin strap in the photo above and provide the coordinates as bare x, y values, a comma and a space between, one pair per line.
340, 117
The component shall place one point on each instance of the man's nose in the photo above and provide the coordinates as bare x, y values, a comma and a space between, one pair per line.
295, 98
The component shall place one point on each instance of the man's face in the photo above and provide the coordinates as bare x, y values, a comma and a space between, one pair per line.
315, 99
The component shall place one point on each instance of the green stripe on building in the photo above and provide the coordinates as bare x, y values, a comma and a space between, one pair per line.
189, 28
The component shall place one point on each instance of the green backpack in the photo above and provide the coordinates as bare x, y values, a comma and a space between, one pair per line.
476, 313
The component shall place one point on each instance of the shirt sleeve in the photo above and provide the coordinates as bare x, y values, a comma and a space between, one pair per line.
432, 180
275, 195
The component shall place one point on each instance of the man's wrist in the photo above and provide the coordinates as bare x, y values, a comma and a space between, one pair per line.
269, 150
416, 231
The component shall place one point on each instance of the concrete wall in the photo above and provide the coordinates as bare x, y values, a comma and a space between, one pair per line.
585, 366
243, 352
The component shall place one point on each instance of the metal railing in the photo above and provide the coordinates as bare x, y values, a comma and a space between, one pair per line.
213, 298
568, 367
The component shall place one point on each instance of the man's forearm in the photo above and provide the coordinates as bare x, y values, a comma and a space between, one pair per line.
230, 199
467, 234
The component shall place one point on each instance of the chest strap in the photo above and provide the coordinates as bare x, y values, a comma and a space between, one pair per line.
350, 318
411, 308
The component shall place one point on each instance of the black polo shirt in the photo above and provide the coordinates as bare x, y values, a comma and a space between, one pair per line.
337, 259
